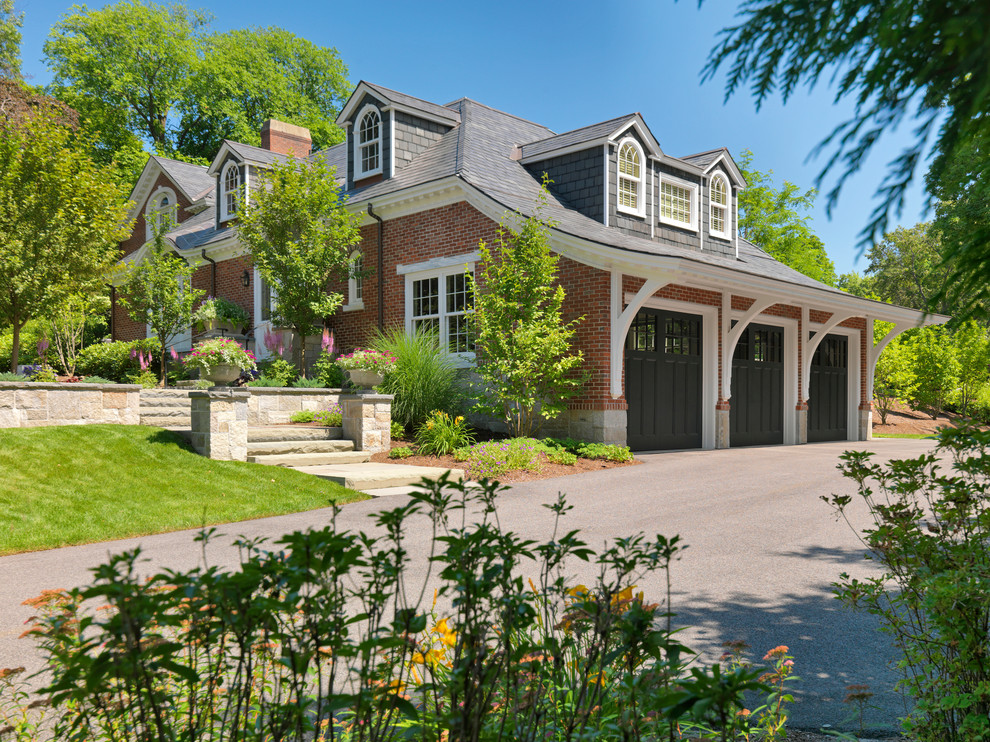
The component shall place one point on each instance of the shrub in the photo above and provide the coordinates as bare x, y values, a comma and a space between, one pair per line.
328, 372
113, 360
494, 458
398, 431
301, 383
560, 456
303, 416
146, 379
331, 418
587, 450
45, 373
255, 650
400, 452
221, 310
97, 380
266, 381
929, 533
277, 368
8, 376
442, 433
424, 378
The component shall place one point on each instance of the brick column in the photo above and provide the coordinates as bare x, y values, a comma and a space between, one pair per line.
866, 421
722, 408
219, 423
801, 410
368, 421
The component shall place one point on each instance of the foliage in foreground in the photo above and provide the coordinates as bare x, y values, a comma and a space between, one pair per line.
930, 535
325, 638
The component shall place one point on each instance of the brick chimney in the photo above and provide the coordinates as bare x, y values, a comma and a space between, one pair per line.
278, 136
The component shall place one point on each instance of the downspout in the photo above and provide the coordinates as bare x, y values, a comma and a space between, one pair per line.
213, 274
381, 270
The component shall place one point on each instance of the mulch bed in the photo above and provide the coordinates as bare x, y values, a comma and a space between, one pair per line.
546, 470
902, 419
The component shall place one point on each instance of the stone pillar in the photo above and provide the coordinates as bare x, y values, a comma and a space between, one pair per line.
368, 421
866, 421
219, 423
801, 410
722, 408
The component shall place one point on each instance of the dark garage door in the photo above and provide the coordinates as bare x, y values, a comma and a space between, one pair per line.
756, 408
663, 381
828, 390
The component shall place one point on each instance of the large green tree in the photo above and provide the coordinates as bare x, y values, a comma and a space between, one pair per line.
300, 235
906, 268
61, 216
776, 219
140, 72
10, 39
920, 60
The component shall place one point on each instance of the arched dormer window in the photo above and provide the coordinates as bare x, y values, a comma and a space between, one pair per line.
718, 197
368, 154
162, 212
230, 184
631, 178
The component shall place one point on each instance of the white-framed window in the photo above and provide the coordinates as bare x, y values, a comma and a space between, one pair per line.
443, 301
368, 143
718, 197
632, 178
355, 282
230, 185
678, 203
162, 212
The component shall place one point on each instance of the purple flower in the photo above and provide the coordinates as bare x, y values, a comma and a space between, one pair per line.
175, 355
42, 346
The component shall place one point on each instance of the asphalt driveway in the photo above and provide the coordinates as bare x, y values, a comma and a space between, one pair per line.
763, 551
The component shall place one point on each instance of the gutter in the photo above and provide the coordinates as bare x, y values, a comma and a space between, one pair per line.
381, 269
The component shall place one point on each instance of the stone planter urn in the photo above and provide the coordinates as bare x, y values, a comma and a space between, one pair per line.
222, 374
364, 378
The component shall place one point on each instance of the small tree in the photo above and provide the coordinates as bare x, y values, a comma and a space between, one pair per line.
61, 217
160, 293
66, 325
973, 354
300, 234
893, 379
523, 344
936, 369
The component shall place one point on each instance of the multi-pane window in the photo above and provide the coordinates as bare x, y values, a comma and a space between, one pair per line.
443, 304
355, 283
231, 184
682, 336
675, 203
161, 215
369, 142
831, 352
760, 345
630, 178
643, 333
719, 206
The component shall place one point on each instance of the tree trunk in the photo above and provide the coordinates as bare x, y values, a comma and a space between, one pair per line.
302, 355
16, 349
164, 367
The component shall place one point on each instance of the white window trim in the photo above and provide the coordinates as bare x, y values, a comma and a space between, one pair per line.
152, 210
461, 360
727, 209
640, 210
360, 174
224, 215
353, 304
692, 187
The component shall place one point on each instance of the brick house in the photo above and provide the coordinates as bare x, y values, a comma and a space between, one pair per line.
693, 337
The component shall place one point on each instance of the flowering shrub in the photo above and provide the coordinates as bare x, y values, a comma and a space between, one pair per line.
494, 458
331, 417
219, 352
367, 360
442, 434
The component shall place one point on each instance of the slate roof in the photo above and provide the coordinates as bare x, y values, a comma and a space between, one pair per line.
197, 232
408, 101
575, 136
255, 155
704, 159
191, 179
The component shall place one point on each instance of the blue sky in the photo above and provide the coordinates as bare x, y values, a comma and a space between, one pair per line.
566, 65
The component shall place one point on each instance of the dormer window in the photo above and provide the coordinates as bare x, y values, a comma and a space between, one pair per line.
368, 160
162, 213
719, 208
631, 178
677, 203
231, 183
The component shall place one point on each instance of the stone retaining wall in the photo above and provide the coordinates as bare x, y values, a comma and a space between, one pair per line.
274, 405
27, 404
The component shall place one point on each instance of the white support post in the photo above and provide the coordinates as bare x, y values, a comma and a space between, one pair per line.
811, 345
621, 321
731, 336
873, 355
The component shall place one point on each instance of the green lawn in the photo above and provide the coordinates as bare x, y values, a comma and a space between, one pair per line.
79, 484
915, 436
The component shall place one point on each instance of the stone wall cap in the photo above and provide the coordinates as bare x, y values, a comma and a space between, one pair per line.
65, 385
369, 397
220, 393
289, 390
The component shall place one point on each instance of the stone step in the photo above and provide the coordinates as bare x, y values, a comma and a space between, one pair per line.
308, 460
166, 422
278, 448
370, 476
164, 394
155, 402
273, 433
165, 411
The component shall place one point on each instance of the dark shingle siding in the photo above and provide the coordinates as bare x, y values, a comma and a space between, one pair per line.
628, 223
578, 179
413, 136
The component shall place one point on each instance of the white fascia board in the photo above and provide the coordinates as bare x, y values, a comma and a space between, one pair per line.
729, 165
225, 149
420, 114
640, 126
347, 112
442, 192
579, 147
142, 188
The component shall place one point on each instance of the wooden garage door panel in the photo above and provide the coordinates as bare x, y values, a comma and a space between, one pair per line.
828, 390
756, 412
